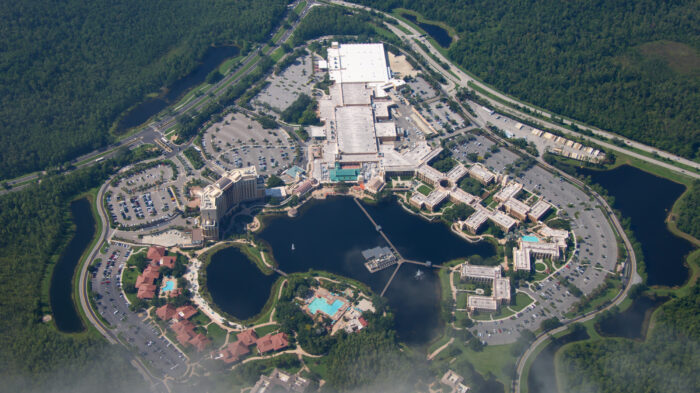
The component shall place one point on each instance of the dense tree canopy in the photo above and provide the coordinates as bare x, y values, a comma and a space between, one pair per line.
33, 355
627, 66
323, 21
689, 211
69, 69
668, 361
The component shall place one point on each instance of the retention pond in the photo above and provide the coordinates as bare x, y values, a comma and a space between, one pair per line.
61, 292
647, 200
212, 59
440, 35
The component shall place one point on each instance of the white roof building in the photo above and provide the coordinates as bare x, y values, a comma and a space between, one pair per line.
479, 272
538, 210
507, 192
476, 220
516, 208
353, 63
502, 220
481, 174
485, 303
521, 259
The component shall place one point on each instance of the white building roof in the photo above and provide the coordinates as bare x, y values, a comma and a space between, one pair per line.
502, 220
521, 259
539, 208
501, 289
480, 272
352, 63
515, 206
509, 191
355, 130
477, 219
482, 303
385, 130
480, 173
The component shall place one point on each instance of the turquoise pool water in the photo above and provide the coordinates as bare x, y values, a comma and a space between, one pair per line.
319, 304
169, 286
532, 239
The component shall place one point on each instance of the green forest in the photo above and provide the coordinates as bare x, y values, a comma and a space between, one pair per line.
631, 66
69, 69
322, 21
689, 210
667, 361
34, 356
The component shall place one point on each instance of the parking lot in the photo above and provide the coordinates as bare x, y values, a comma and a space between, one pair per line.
239, 141
595, 260
283, 89
421, 89
154, 348
145, 198
441, 117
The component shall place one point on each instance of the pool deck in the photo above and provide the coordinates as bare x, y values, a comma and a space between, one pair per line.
325, 296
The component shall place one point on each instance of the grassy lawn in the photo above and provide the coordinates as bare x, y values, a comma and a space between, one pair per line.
200, 319
216, 334
446, 292
461, 300
317, 365
227, 65
438, 343
277, 54
521, 301
129, 277
300, 7
262, 331
425, 189
495, 359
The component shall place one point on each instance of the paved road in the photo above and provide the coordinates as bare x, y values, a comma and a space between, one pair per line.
154, 131
128, 328
106, 331
463, 79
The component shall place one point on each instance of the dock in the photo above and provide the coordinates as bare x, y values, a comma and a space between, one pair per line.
398, 259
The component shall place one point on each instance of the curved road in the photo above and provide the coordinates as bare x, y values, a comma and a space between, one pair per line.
462, 82
154, 130
463, 79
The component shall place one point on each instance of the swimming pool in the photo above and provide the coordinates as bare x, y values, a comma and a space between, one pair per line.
322, 305
169, 286
530, 238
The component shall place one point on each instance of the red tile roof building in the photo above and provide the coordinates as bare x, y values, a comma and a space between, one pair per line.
200, 341
146, 291
155, 253
168, 261
186, 335
247, 337
234, 352
272, 342
185, 312
145, 283
166, 312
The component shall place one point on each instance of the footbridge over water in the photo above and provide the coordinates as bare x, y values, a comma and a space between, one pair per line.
401, 259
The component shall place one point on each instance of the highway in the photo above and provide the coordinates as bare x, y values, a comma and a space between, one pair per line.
464, 79
453, 82
128, 328
154, 131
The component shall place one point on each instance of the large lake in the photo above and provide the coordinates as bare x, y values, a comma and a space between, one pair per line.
60, 294
330, 235
647, 200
